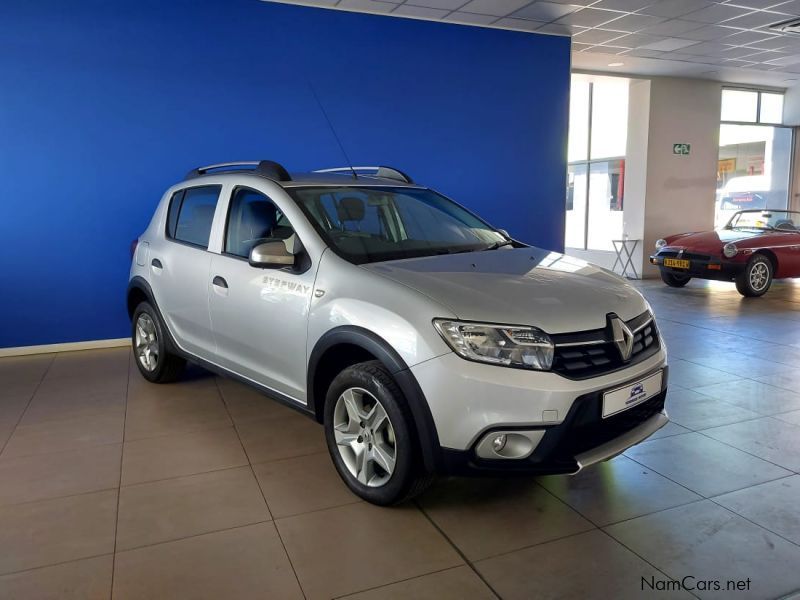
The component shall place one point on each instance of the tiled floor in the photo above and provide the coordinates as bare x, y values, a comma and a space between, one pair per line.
205, 489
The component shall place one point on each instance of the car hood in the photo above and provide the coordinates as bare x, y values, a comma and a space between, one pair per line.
524, 286
709, 242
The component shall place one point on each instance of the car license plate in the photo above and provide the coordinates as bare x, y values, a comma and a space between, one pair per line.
632, 394
676, 263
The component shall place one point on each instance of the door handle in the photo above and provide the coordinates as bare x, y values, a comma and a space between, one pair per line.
219, 282
156, 264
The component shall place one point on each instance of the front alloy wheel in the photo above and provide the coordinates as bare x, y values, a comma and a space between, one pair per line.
154, 359
371, 437
365, 437
756, 278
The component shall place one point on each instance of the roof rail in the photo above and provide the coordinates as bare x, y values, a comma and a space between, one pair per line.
382, 172
266, 168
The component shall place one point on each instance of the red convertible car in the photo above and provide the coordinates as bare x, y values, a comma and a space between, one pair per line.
755, 247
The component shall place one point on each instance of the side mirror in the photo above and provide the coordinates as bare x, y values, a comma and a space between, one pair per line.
504, 233
271, 255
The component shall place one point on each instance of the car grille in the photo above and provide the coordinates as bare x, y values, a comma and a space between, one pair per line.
592, 353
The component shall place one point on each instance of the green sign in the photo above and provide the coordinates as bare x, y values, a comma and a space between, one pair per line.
682, 149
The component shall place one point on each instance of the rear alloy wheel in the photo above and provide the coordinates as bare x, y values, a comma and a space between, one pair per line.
756, 278
156, 363
676, 280
370, 435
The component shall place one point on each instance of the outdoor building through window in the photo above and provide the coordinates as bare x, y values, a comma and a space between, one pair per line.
754, 154
598, 132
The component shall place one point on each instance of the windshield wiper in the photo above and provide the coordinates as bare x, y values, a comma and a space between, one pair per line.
497, 245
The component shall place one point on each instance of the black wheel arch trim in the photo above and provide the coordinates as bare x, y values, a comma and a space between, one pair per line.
388, 356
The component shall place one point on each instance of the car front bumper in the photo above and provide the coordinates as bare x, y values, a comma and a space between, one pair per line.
563, 417
717, 269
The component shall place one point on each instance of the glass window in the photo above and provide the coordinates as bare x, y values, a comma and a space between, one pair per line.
367, 224
739, 105
609, 117
196, 215
172, 215
771, 108
578, 144
577, 186
606, 195
253, 219
753, 169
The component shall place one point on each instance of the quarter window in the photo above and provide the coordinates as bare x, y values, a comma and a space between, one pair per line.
191, 214
254, 219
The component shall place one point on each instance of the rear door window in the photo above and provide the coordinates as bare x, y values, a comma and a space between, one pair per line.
191, 214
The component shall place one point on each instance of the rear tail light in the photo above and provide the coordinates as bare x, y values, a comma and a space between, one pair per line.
134, 243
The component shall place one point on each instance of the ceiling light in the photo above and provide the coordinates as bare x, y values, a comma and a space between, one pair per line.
616, 64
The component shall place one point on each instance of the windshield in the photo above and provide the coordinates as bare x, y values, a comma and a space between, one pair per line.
764, 219
371, 224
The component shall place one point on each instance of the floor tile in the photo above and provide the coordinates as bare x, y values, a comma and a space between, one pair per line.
16, 369
737, 364
792, 417
484, 517
302, 484
692, 375
360, 546
60, 406
64, 435
698, 411
29, 478
241, 563
87, 364
248, 404
773, 505
703, 465
285, 437
174, 415
183, 454
771, 439
53, 531
754, 396
86, 579
91, 391
548, 571
617, 490
452, 584
669, 430
707, 541
789, 379
160, 511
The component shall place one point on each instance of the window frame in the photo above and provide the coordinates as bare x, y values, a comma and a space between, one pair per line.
758, 120
182, 191
589, 162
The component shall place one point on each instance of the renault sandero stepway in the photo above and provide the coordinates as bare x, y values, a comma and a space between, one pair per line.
424, 340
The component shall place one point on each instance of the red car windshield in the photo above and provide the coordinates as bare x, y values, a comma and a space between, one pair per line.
765, 220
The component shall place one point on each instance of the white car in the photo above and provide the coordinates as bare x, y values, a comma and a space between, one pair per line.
424, 340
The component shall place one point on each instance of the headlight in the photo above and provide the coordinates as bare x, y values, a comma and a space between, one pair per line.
511, 346
730, 250
660, 244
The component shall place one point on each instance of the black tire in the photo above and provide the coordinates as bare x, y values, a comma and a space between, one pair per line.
756, 278
168, 366
409, 477
675, 280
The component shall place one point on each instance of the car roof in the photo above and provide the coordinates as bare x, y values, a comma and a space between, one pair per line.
763, 210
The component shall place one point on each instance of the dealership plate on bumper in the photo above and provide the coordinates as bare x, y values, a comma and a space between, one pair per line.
632, 394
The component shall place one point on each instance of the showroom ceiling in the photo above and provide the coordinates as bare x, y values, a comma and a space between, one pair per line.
730, 40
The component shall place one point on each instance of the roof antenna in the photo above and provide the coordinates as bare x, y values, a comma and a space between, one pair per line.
338, 141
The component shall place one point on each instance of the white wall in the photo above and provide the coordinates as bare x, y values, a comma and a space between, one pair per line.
679, 190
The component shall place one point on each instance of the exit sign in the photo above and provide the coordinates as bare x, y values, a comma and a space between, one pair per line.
682, 149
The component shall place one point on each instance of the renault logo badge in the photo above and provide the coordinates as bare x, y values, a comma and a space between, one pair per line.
622, 336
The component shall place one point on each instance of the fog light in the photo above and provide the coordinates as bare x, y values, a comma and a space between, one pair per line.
499, 442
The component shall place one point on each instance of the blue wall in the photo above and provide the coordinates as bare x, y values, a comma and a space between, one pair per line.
103, 105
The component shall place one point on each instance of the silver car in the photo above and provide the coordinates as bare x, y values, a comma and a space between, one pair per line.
424, 340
